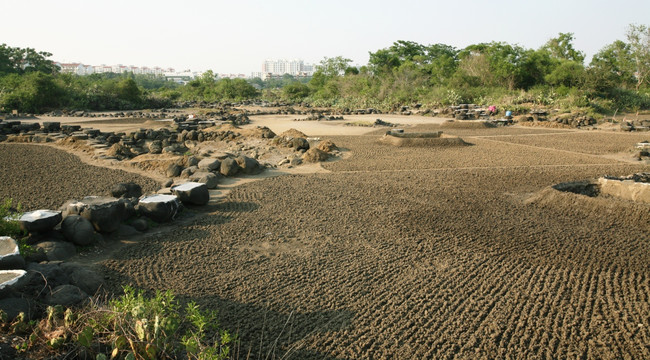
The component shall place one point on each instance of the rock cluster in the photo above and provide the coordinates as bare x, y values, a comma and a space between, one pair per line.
42, 277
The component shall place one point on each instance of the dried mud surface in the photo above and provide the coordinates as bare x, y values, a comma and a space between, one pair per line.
41, 177
417, 253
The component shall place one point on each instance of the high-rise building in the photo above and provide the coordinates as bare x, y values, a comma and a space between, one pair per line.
281, 67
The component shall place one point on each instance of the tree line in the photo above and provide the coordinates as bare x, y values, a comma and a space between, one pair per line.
495, 73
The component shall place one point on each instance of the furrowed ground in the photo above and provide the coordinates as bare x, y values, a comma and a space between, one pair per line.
422, 253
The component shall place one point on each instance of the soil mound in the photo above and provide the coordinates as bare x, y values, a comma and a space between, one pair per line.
422, 140
293, 133
580, 202
466, 124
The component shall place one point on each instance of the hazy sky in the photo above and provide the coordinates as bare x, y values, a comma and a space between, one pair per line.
236, 36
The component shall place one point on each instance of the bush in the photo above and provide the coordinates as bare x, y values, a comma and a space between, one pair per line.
129, 327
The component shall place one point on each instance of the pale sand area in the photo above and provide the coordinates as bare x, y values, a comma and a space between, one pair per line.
277, 123
282, 123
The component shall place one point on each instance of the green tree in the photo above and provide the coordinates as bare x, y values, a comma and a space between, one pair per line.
20, 61
332, 67
612, 66
296, 91
638, 37
34, 92
561, 48
127, 90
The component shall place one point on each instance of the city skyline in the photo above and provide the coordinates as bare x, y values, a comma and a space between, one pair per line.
229, 37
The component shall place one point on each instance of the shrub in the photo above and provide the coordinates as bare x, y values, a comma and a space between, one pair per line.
131, 326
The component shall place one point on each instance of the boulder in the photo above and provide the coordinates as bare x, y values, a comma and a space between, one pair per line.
140, 224
43, 275
10, 257
66, 295
300, 143
209, 179
39, 220
11, 281
57, 250
51, 126
126, 190
13, 306
187, 172
173, 170
229, 167
159, 208
209, 164
249, 166
155, 147
105, 213
78, 230
192, 161
119, 151
83, 277
193, 193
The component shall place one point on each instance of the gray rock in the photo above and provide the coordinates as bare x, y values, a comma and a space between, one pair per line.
300, 143
126, 190
155, 147
229, 167
78, 230
39, 220
192, 161
209, 179
140, 224
249, 166
209, 164
168, 183
10, 257
105, 213
14, 306
295, 161
83, 277
159, 208
187, 172
50, 274
173, 170
57, 250
66, 295
192, 193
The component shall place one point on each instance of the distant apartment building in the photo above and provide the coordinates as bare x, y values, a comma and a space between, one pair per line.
272, 68
81, 69
76, 68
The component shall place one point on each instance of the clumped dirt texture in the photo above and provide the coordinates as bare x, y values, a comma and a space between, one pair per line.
41, 177
464, 252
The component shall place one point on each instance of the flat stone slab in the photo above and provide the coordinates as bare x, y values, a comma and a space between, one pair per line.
159, 207
39, 220
194, 193
11, 280
10, 257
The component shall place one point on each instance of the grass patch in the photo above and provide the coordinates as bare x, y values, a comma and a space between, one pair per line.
132, 326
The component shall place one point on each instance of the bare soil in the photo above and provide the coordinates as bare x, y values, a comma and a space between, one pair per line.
41, 177
438, 252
